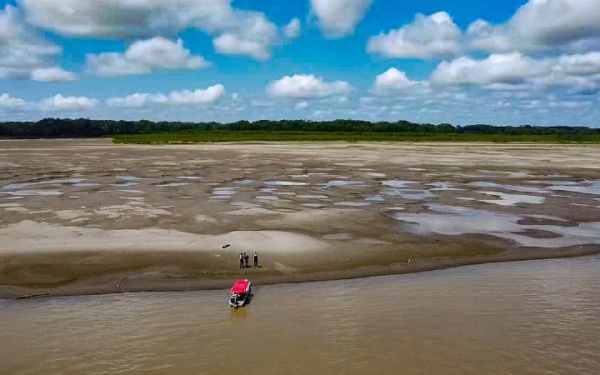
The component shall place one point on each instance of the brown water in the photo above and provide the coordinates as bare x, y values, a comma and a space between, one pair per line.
539, 317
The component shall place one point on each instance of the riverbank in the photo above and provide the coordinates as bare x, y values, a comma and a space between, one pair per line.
290, 136
87, 273
87, 216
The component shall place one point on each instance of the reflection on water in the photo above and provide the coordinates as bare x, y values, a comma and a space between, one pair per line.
454, 221
239, 315
589, 187
504, 199
538, 317
522, 189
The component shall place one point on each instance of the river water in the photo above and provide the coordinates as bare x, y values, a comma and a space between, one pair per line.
539, 317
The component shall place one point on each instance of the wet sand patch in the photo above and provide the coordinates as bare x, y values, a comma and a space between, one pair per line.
522, 189
512, 199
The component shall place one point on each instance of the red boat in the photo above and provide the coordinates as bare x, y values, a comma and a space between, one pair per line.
240, 292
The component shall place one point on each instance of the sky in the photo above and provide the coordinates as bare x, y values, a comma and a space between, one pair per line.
509, 62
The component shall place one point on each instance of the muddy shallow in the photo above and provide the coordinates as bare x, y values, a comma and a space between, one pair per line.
79, 216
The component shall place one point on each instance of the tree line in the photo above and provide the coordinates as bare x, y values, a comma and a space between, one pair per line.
57, 128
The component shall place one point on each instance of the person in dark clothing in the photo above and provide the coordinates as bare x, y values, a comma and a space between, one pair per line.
242, 260
255, 260
247, 258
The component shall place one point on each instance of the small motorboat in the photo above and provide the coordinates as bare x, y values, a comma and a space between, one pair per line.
240, 293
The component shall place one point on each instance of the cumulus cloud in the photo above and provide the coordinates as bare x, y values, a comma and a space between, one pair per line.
114, 65
136, 100
482, 35
548, 26
162, 53
541, 24
21, 50
557, 22
338, 18
394, 80
135, 18
293, 29
52, 75
428, 37
232, 44
8, 101
203, 97
197, 97
306, 86
508, 69
515, 70
143, 57
255, 36
70, 103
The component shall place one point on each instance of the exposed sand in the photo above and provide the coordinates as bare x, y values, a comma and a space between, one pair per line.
86, 216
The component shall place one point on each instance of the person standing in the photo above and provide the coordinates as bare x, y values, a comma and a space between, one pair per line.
255, 260
241, 260
247, 257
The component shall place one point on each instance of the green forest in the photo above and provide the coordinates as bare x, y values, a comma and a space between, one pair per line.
149, 132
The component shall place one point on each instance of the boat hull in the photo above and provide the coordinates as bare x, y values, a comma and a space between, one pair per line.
241, 301
240, 293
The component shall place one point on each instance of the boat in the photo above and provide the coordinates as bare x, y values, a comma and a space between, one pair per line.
240, 293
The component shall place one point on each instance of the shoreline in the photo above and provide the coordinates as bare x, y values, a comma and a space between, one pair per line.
82, 217
137, 283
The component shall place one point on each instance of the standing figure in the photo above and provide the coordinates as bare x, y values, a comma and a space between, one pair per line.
255, 260
241, 260
247, 257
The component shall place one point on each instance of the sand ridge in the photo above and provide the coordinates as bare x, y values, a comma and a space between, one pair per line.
32, 237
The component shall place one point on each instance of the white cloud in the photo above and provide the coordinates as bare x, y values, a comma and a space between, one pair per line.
394, 80
306, 86
482, 35
126, 18
21, 51
197, 97
232, 44
114, 65
338, 18
9, 24
162, 53
557, 22
204, 97
549, 26
70, 103
541, 24
132, 101
52, 75
580, 64
134, 18
301, 105
510, 69
142, 57
514, 70
428, 37
254, 35
8, 101
293, 29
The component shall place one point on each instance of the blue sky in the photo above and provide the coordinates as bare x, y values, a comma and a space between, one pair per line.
505, 62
